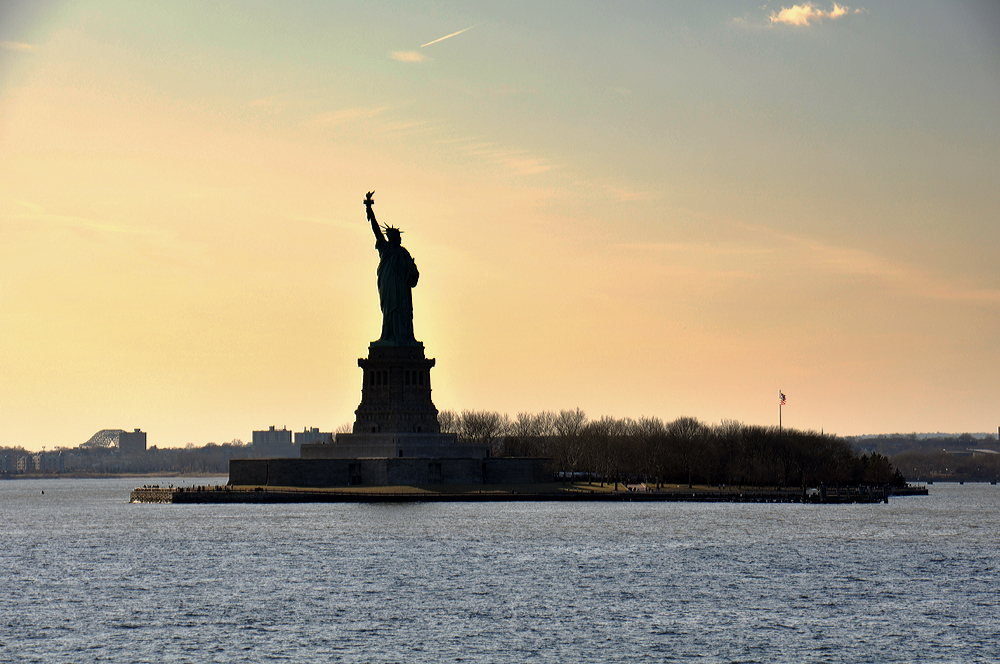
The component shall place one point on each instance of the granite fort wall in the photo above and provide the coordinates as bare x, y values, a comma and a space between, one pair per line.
289, 472
516, 471
435, 471
394, 445
386, 472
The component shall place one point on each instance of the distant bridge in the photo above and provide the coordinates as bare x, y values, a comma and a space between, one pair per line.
104, 438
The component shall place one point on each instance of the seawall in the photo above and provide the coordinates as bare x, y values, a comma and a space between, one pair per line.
228, 494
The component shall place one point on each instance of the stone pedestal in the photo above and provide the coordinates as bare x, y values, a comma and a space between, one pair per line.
397, 421
396, 392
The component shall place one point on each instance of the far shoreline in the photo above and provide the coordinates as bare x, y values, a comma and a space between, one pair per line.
105, 476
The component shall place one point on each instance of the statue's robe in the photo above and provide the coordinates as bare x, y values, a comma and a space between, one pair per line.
397, 274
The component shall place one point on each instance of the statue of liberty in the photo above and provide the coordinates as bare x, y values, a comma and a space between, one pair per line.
397, 274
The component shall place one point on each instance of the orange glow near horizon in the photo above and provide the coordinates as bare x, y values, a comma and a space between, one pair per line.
183, 247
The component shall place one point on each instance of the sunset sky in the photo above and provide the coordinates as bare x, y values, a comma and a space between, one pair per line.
648, 209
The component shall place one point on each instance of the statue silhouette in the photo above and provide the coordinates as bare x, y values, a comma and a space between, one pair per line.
397, 275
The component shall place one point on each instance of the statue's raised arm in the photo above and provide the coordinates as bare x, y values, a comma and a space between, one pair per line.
369, 202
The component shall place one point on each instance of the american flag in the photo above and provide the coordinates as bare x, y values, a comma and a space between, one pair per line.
781, 395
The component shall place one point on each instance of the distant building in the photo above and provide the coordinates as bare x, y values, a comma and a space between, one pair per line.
34, 462
49, 462
133, 442
309, 436
274, 442
959, 453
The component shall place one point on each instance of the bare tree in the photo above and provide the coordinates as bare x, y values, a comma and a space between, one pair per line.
485, 428
528, 434
528, 425
609, 446
568, 426
651, 444
449, 421
686, 439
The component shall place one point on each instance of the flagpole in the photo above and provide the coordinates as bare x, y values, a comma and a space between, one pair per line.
781, 402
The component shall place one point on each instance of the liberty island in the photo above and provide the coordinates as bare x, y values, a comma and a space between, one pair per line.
397, 452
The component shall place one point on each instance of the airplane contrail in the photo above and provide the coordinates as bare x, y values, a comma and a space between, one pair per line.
448, 36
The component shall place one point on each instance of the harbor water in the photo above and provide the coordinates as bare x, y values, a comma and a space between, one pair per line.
86, 576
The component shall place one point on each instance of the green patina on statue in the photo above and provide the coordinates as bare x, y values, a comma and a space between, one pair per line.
397, 275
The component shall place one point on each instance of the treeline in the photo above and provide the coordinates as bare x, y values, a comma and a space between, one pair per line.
898, 443
945, 466
684, 451
947, 458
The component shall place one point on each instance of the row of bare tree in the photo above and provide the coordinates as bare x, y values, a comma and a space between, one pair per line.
683, 451
949, 467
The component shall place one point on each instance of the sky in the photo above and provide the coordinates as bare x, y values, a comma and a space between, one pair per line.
646, 209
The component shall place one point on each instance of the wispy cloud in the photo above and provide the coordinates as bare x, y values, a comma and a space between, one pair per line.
906, 279
781, 253
33, 212
335, 118
340, 224
807, 14
697, 248
16, 46
418, 57
628, 195
267, 105
448, 36
408, 56
516, 161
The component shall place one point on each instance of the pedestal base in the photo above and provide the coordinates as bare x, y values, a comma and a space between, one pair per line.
396, 392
